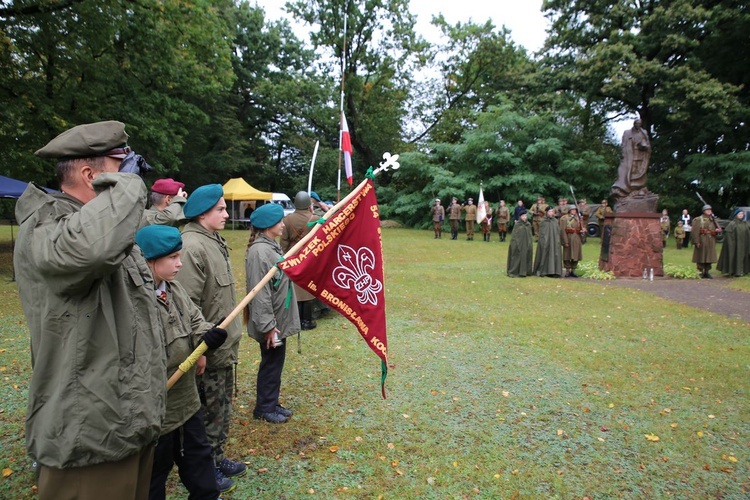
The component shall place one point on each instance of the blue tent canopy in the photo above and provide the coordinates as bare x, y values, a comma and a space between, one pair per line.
11, 188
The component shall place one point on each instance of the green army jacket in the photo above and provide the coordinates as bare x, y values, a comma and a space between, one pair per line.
268, 309
98, 387
184, 327
171, 215
207, 276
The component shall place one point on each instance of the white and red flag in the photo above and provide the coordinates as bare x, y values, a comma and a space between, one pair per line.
346, 147
342, 265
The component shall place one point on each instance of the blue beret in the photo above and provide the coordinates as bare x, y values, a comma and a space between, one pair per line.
314, 196
202, 200
266, 216
157, 241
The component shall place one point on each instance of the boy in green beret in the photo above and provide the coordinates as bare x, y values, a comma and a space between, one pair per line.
183, 438
207, 276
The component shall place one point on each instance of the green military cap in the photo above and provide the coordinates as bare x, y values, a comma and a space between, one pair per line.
89, 140
266, 216
157, 241
202, 200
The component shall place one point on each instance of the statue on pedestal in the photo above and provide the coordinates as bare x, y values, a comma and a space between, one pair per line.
629, 190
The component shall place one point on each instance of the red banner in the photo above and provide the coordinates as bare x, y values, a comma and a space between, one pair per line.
342, 265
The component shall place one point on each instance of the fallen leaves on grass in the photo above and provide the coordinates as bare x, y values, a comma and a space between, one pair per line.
652, 437
333, 449
7, 471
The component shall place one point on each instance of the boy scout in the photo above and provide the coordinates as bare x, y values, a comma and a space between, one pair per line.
207, 276
167, 200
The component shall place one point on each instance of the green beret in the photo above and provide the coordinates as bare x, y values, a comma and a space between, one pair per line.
202, 200
266, 216
87, 141
157, 241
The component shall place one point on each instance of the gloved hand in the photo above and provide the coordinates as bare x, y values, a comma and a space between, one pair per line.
215, 337
135, 164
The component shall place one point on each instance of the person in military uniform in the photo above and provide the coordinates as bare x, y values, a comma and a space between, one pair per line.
319, 207
183, 439
584, 212
167, 200
471, 219
295, 228
454, 211
570, 237
601, 214
679, 234
270, 320
502, 217
438, 215
520, 262
734, 259
705, 229
99, 376
538, 210
561, 208
207, 276
665, 226
486, 223
548, 259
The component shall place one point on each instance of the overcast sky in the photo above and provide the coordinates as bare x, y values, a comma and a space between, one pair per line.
522, 17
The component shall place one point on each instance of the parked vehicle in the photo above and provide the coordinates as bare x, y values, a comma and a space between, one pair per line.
285, 202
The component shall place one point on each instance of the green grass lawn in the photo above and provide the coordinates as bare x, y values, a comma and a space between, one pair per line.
497, 388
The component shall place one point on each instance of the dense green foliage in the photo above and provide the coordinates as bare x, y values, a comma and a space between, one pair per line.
213, 90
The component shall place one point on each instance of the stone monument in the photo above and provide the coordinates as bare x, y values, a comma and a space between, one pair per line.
631, 239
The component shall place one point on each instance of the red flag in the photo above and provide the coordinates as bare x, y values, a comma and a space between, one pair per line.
346, 147
342, 265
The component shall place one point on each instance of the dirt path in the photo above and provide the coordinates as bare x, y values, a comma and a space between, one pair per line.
712, 295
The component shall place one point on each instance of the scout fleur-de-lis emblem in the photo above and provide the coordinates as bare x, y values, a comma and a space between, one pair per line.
389, 161
353, 272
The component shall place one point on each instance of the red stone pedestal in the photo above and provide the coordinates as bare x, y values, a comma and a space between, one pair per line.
631, 242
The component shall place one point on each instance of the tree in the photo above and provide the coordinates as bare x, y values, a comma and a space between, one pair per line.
382, 53
658, 58
151, 64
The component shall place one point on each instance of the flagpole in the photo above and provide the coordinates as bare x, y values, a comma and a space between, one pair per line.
186, 365
312, 166
341, 108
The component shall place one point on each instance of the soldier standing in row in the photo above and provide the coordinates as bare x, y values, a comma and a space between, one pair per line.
455, 217
438, 215
570, 237
665, 225
548, 259
295, 228
538, 210
602, 213
705, 229
471, 219
502, 217
520, 262
583, 213
679, 234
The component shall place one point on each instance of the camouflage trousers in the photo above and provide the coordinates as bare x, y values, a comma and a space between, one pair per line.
216, 389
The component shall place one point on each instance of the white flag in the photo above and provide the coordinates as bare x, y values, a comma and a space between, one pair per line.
481, 209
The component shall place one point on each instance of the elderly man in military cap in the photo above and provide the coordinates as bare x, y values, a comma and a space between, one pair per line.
704, 231
98, 386
295, 228
471, 218
207, 276
167, 200
438, 215
571, 232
